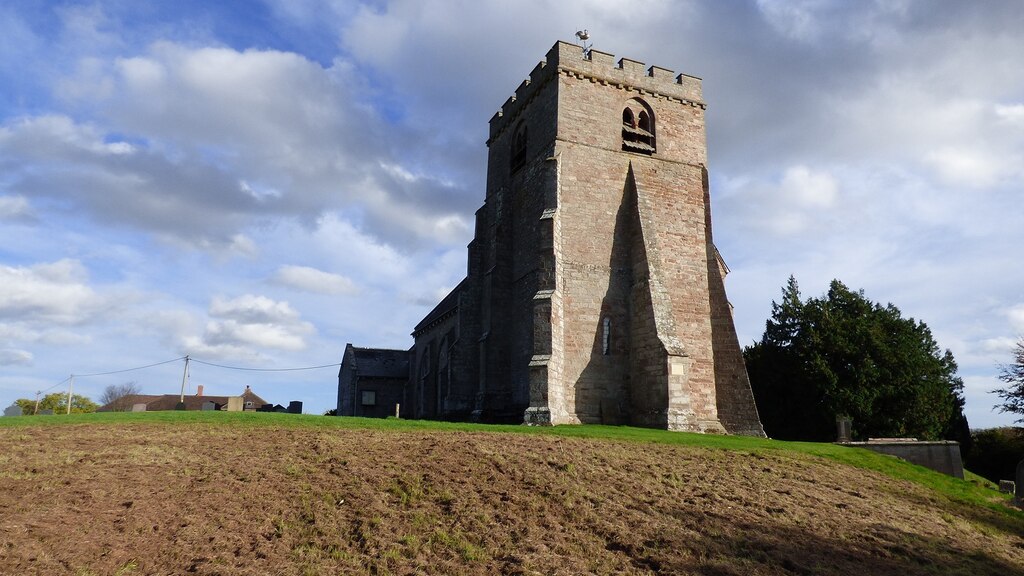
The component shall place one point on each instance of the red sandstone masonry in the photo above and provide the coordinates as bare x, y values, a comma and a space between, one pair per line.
594, 292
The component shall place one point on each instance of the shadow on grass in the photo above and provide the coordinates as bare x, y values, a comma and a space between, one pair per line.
879, 550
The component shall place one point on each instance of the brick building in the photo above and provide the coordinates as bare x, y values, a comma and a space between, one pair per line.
594, 292
247, 401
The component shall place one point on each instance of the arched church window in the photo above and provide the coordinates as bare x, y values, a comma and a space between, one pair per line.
638, 127
519, 141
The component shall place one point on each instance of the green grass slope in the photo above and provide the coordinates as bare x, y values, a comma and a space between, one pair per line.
254, 493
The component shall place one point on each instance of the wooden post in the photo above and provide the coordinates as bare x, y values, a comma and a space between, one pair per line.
397, 406
184, 380
71, 384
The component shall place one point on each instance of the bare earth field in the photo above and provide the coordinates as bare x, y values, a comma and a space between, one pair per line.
157, 498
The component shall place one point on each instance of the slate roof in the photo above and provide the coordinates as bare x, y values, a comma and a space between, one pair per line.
381, 363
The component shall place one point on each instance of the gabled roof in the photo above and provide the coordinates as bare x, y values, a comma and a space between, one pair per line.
157, 402
449, 304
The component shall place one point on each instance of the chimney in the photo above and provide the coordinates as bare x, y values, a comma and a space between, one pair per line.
199, 391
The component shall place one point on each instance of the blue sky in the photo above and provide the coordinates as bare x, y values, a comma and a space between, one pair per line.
255, 184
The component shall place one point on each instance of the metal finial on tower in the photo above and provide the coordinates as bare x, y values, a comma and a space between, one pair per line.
583, 36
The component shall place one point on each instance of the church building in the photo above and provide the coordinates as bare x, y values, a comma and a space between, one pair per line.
594, 292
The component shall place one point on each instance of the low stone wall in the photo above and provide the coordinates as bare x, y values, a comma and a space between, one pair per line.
941, 456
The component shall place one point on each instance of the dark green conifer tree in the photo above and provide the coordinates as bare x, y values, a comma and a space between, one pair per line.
842, 354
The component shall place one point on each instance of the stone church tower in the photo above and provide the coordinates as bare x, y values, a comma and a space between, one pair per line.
594, 292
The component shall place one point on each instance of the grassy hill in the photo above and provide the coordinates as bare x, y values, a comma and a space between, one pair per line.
219, 493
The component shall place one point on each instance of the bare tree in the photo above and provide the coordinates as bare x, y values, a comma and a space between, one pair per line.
116, 395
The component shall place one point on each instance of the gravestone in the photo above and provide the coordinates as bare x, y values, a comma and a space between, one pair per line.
295, 407
138, 407
1007, 487
844, 429
208, 405
12, 410
1020, 485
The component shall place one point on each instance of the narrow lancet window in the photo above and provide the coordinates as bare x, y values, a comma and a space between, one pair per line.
518, 151
606, 340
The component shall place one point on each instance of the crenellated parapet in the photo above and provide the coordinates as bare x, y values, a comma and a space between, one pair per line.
599, 67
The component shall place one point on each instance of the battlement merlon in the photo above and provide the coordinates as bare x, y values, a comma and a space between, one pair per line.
568, 58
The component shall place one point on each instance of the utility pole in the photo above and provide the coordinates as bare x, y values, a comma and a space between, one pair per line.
184, 379
36, 409
71, 384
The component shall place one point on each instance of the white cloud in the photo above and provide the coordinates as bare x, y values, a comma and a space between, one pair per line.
801, 200
276, 336
313, 280
252, 309
12, 357
847, 139
966, 167
196, 144
48, 293
245, 325
809, 189
242, 244
1001, 345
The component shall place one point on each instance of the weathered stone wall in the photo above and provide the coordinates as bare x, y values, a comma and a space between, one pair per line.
388, 393
429, 391
941, 456
346, 383
593, 291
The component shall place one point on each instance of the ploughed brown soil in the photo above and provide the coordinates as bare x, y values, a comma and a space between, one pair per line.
174, 499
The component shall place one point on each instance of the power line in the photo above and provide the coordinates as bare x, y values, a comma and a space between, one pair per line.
130, 369
55, 385
266, 369
193, 360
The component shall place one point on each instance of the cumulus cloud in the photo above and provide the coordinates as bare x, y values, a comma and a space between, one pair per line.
965, 167
55, 158
807, 189
196, 144
799, 200
243, 326
876, 142
56, 292
313, 280
1000, 346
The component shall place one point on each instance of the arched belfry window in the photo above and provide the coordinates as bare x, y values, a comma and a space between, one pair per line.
518, 151
644, 123
638, 127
